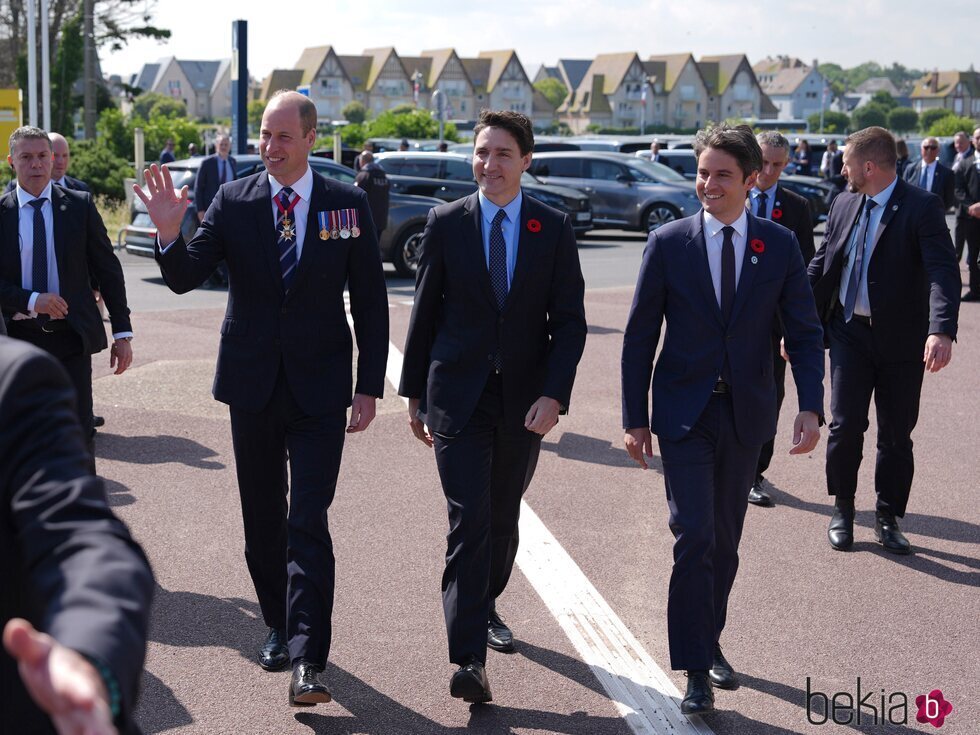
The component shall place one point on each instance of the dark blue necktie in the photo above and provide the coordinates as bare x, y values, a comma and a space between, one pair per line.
221, 171
39, 271
924, 177
286, 238
761, 201
498, 259
858, 268
727, 272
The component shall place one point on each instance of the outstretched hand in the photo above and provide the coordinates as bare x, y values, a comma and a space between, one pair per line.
165, 207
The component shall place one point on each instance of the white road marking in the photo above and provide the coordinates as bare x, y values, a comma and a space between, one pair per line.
644, 695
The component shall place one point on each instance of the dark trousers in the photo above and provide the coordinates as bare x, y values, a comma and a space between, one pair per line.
970, 229
959, 235
485, 470
856, 372
287, 546
66, 346
707, 474
779, 375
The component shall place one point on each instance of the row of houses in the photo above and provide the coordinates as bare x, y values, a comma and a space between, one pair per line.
618, 90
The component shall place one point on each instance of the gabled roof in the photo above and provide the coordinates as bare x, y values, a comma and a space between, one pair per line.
357, 69
612, 68
719, 71
573, 71
311, 60
877, 84
219, 74
770, 65
478, 70
200, 74
439, 58
548, 72
379, 58
146, 76
499, 60
421, 64
786, 81
673, 65
281, 79
943, 83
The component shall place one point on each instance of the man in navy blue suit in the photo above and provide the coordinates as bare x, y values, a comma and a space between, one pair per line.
292, 240
720, 278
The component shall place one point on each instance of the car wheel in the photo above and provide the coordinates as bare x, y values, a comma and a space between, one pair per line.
406, 254
658, 215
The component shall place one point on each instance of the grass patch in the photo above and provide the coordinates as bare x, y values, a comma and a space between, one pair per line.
115, 214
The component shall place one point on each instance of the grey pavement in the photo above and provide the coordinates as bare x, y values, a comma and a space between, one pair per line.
798, 610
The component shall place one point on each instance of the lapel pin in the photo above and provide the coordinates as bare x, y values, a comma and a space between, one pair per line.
894, 207
755, 260
64, 207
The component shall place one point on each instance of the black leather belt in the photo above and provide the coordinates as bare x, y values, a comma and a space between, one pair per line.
861, 319
37, 325
722, 388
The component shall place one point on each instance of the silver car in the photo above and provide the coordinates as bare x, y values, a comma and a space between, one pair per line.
626, 192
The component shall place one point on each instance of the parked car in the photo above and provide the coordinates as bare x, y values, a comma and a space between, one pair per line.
682, 160
400, 240
449, 176
626, 192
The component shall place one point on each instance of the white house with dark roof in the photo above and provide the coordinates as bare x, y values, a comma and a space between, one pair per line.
204, 86
796, 89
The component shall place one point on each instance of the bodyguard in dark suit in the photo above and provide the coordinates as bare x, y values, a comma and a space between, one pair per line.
496, 333
929, 174
967, 187
720, 279
963, 151
70, 568
887, 288
53, 244
769, 200
292, 241
60, 160
215, 170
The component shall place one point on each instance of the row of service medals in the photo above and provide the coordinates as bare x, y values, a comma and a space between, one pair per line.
338, 224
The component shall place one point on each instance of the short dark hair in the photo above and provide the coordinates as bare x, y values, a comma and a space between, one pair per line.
736, 140
872, 144
304, 105
518, 125
27, 132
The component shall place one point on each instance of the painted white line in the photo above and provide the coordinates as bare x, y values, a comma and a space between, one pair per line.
644, 695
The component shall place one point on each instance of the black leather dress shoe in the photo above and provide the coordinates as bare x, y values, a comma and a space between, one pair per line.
699, 698
499, 636
305, 688
889, 535
274, 654
841, 530
98, 421
970, 296
722, 674
470, 684
758, 496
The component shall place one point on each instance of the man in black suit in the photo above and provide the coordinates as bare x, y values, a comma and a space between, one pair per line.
215, 170
964, 152
53, 244
70, 568
887, 288
60, 161
496, 333
768, 200
292, 240
967, 188
719, 278
929, 174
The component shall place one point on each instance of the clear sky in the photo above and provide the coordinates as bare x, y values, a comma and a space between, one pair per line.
847, 32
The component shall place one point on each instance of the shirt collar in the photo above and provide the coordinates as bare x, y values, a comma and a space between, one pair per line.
713, 225
770, 192
882, 197
63, 181
512, 210
24, 197
303, 187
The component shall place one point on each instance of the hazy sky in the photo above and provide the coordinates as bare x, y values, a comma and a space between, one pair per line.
847, 32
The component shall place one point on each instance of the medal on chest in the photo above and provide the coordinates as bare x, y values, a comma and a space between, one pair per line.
287, 226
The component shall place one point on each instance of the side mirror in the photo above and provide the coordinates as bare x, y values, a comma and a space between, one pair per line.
624, 179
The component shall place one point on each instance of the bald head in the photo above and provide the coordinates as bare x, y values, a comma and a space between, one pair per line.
285, 99
61, 156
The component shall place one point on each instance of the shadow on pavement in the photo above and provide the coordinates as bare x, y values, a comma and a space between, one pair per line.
919, 561
117, 494
192, 619
156, 450
374, 713
158, 709
595, 329
595, 451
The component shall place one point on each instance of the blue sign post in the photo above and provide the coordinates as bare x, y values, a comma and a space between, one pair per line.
239, 86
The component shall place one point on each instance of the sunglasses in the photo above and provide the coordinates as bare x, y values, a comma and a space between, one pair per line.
930, 147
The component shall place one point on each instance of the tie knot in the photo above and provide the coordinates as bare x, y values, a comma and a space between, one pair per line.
499, 217
728, 231
286, 194
763, 196
869, 205
38, 203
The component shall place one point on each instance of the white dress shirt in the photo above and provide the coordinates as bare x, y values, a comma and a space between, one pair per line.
930, 174
862, 306
301, 212
715, 238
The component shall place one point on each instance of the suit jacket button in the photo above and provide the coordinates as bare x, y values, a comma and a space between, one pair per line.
490, 357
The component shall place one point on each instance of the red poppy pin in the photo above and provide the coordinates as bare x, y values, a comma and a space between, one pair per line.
533, 225
777, 213
757, 246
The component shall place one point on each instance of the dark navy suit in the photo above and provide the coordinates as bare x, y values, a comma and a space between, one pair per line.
284, 368
70, 183
207, 183
710, 442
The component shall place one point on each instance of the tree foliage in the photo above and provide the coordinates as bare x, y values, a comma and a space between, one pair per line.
833, 122
871, 114
884, 98
68, 64
96, 164
117, 134
552, 89
154, 104
847, 80
410, 123
354, 112
255, 110
952, 124
903, 119
929, 117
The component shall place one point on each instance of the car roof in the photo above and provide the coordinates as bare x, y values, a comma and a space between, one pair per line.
604, 155
449, 155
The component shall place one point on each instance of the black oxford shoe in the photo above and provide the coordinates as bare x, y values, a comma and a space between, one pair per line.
305, 688
889, 535
758, 496
722, 674
841, 529
470, 684
274, 655
699, 698
499, 636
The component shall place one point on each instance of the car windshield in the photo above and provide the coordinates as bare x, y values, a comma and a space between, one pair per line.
656, 172
528, 178
183, 177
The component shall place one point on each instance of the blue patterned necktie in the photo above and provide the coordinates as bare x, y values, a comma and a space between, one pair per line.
39, 271
857, 269
287, 245
498, 259
924, 177
761, 201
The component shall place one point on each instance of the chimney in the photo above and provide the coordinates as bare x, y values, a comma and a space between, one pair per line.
934, 81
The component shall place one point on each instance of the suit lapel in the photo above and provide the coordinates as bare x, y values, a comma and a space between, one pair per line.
10, 222
264, 225
891, 208
61, 213
472, 223
839, 245
697, 251
318, 203
749, 269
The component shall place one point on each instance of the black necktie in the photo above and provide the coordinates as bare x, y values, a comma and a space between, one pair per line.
286, 238
727, 272
498, 259
760, 205
857, 269
39, 271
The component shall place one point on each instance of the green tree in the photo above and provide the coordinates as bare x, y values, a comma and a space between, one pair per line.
552, 89
952, 124
871, 114
116, 133
884, 98
353, 135
97, 165
354, 112
833, 122
159, 129
68, 65
903, 119
256, 108
409, 124
154, 104
929, 117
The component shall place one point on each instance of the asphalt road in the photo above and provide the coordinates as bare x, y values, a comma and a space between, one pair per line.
799, 612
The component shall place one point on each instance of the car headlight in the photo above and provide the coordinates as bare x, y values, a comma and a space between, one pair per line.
552, 200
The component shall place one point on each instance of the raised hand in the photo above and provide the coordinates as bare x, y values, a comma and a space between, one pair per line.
165, 207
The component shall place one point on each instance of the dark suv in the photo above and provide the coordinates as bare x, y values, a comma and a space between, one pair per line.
399, 241
449, 176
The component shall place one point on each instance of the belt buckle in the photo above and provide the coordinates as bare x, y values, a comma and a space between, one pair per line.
44, 327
